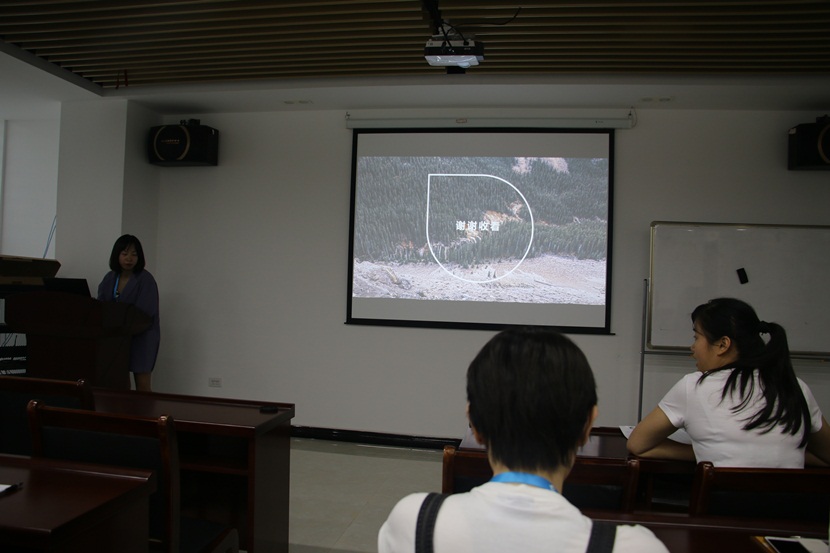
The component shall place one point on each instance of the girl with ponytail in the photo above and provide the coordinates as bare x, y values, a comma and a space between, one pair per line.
745, 407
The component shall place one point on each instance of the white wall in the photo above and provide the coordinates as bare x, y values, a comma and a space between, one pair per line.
90, 186
714, 167
252, 265
106, 187
140, 205
30, 180
251, 256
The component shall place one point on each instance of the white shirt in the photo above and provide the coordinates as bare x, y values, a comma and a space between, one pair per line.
498, 518
717, 433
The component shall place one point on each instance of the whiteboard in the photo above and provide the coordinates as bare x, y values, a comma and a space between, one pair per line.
787, 279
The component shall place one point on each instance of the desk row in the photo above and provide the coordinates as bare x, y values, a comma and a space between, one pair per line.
232, 457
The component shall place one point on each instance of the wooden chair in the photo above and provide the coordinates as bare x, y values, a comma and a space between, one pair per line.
464, 469
135, 442
15, 394
593, 483
601, 483
800, 494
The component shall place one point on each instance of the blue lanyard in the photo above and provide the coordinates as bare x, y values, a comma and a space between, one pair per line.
524, 478
115, 293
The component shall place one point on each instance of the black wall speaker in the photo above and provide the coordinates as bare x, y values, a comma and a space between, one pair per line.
187, 144
809, 145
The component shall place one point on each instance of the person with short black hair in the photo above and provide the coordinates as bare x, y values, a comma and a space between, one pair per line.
128, 281
531, 400
745, 406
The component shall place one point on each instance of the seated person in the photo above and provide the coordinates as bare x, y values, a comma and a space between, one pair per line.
531, 400
744, 407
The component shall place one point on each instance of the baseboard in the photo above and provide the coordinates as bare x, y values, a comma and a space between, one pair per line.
372, 438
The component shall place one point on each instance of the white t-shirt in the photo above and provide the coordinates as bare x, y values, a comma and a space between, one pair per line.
498, 517
717, 433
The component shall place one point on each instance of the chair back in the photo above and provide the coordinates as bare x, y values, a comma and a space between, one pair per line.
15, 394
464, 469
593, 483
603, 483
801, 494
119, 440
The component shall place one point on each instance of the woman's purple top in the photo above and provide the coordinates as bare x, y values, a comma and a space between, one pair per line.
141, 290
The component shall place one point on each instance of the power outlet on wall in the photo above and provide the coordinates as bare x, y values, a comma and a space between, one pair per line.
215, 382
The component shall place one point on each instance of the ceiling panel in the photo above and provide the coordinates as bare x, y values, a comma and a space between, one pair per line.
141, 43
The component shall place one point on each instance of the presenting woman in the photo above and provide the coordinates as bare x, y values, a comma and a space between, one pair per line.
129, 282
744, 407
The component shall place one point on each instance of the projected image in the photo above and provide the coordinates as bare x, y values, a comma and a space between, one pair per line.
527, 230
482, 240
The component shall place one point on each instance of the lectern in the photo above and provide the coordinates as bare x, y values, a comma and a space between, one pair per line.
70, 337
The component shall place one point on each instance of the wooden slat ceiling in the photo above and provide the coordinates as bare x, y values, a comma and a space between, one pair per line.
161, 42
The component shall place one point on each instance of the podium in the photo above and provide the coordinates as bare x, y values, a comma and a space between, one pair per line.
70, 336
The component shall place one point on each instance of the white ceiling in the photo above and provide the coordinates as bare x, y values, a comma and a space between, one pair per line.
35, 92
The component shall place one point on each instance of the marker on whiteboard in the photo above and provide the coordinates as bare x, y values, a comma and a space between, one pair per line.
742, 276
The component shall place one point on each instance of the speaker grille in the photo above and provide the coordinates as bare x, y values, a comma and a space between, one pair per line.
172, 145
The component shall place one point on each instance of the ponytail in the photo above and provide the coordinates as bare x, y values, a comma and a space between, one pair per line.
784, 402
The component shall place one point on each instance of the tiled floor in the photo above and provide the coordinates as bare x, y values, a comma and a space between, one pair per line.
342, 492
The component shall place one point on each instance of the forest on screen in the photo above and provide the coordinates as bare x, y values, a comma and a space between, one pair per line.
568, 197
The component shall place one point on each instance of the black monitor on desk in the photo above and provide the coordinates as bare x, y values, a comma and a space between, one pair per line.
77, 286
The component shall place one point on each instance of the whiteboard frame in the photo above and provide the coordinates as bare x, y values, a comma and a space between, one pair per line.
817, 267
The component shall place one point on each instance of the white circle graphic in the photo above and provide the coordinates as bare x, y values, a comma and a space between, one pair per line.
475, 175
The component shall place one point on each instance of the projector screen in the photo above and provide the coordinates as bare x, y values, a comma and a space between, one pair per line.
481, 228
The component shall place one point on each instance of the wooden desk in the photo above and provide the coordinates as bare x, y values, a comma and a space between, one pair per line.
72, 337
71, 507
751, 526
609, 441
606, 442
235, 460
682, 533
684, 539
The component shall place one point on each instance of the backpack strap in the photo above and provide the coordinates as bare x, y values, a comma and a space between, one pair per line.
602, 537
426, 522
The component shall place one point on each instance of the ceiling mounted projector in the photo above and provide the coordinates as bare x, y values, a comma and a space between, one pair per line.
443, 52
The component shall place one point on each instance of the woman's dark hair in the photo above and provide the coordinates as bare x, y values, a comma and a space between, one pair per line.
784, 402
122, 244
531, 392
